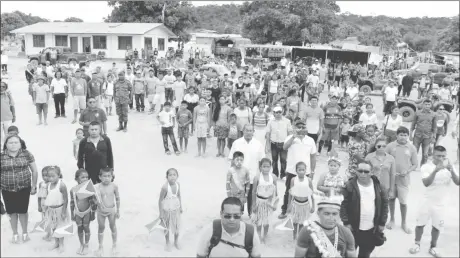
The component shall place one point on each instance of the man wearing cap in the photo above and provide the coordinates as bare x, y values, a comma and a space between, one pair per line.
325, 230
79, 90
122, 94
300, 148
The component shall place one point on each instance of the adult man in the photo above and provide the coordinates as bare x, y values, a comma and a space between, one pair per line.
407, 83
423, 129
277, 131
139, 91
316, 65
389, 97
130, 77
299, 147
405, 156
400, 78
122, 94
8, 114
79, 90
170, 79
422, 86
314, 118
437, 176
95, 152
253, 152
313, 78
328, 231
364, 209
95, 89
332, 117
229, 236
93, 113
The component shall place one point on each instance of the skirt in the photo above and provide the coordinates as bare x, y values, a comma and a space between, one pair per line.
172, 221
262, 212
221, 132
300, 212
201, 130
17, 202
53, 217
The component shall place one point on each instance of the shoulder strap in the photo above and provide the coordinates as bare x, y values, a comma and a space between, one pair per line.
248, 238
216, 235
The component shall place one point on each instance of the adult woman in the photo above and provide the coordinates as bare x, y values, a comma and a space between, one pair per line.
243, 115
201, 119
260, 121
59, 89
293, 100
369, 117
18, 181
391, 124
273, 85
357, 148
8, 114
259, 100
221, 117
383, 166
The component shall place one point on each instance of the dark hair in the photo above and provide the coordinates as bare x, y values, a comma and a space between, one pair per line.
184, 102
231, 201
232, 115
300, 163
439, 148
291, 92
13, 128
79, 172
439, 106
167, 103
170, 170
393, 108
45, 169
8, 138
313, 97
94, 123
237, 154
265, 160
79, 129
369, 104
215, 115
427, 101
402, 129
57, 169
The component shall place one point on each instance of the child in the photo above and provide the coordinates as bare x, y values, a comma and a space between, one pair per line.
201, 119
43, 192
56, 205
14, 130
170, 205
5, 76
233, 131
332, 182
108, 94
301, 204
344, 127
184, 119
167, 121
76, 142
82, 211
41, 96
108, 206
238, 179
371, 134
264, 197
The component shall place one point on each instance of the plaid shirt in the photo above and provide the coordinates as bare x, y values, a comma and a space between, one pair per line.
15, 173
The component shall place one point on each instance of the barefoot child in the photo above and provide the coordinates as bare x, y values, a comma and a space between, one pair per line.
108, 206
170, 205
232, 131
82, 211
264, 197
56, 205
331, 182
201, 120
344, 128
41, 96
76, 142
167, 120
301, 204
43, 191
184, 119
108, 94
238, 179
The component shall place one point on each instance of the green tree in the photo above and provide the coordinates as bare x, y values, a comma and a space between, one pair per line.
73, 19
221, 18
382, 34
448, 39
178, 16
10, 21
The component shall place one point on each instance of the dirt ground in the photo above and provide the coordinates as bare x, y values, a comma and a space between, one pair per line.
140, 167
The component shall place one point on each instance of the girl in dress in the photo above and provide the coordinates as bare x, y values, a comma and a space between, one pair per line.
260, 121
76, 142
56, 205
42, 193
264, 197
221, 118
332, 182
201, 119
301, 203
170, 205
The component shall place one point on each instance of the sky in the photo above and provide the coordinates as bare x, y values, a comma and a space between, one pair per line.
95, 11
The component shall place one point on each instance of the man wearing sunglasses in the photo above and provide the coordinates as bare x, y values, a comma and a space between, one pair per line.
229, 236
364, 209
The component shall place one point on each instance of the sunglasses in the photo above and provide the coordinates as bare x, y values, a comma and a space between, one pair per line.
442, 109
229, 216
380, 146
278, 112
91, 101
363, 171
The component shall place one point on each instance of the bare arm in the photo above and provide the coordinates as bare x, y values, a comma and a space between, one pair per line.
33, 168
228, 183
63, 190
117, 198
72, 204
392, 177
320, 185
255, 183
161, 198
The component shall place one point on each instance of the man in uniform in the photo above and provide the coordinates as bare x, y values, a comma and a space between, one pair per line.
122, 94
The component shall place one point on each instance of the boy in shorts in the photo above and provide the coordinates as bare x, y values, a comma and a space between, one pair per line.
184, 119
41, 96
78, 89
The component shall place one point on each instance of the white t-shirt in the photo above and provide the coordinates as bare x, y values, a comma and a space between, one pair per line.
300, 150
390, 93
444, 94
166, 118
170, 79
273, 85
438, 192
368, 119
4, 59
336, 91
313, 79
59, 85
393, 124
109, 88
352, 92
253, 152
367, 204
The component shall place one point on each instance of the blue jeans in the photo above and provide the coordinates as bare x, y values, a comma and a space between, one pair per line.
425, 142
168, 132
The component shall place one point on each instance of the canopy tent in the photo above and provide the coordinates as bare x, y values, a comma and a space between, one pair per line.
332, 54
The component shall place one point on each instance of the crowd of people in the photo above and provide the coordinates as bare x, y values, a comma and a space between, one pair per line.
274, 127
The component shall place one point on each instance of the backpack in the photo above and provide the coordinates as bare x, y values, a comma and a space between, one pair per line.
217, 234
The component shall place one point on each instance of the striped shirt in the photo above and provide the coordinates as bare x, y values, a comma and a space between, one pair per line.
15, 174
260, 121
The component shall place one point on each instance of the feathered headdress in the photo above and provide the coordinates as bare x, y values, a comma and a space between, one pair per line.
333, 200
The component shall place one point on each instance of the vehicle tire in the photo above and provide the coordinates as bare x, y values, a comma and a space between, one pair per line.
407, 113
366, 89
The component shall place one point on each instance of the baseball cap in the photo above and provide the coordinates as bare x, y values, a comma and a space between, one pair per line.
278, 109
299, 122
78, 70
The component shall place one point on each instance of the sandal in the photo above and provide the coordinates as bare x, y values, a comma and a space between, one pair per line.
177, 153
433, 251
168, 153
415, 249
15, 239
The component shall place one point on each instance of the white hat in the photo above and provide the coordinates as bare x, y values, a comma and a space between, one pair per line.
278, 109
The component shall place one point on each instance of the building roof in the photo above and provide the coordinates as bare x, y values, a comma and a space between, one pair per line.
214, 35
361, 48
91, 28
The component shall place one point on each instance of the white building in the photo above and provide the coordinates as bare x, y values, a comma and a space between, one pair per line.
112, 38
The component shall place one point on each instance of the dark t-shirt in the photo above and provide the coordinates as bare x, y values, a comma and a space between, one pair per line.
346, 242
332, 116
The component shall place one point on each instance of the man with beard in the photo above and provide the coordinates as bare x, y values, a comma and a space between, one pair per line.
338, 239
332, 118
122, 94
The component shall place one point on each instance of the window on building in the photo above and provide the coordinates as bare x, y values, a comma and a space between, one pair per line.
61, 41
39, 40
161, 44
125, 42
100, 42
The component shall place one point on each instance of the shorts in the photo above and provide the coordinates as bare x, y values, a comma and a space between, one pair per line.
330, 134
42, 107
79, 102
159, 99
108, 101
150, 98
183, 132
344, 138
429, 211
17, 202
401, 192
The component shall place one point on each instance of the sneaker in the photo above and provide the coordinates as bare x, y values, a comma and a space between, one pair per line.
282, 216
434, 252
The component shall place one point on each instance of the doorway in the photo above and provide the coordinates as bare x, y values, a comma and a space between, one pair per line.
74, 44
148, 43
86, 44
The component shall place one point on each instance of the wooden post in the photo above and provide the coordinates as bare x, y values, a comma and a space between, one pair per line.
325, 58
